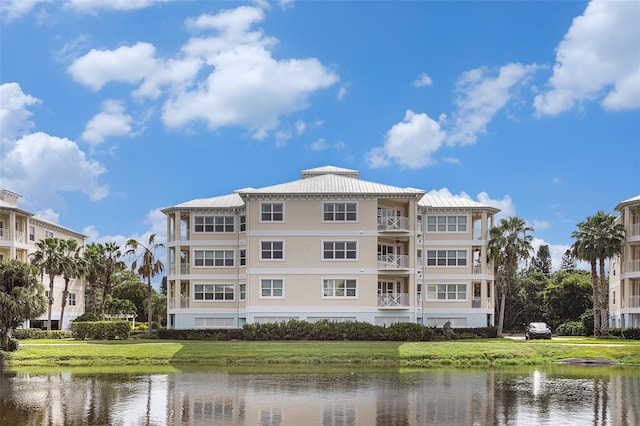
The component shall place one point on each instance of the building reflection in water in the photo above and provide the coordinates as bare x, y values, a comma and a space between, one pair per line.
550, 395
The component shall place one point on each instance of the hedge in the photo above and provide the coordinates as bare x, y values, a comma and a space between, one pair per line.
327, 330
36, 333
101, 330
625, 333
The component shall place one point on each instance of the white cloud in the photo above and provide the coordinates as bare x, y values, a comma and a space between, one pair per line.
112, 121
556, 251
94, 6
422, 81
506, 206
481, 95
319, 145
49, 215
540, 225
598, 59
342, 91
126, 64
409, 143
14, 115
15, 9
37, 164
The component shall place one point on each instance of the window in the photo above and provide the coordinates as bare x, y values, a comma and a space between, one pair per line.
273, 288
340, 212
243, 223
271, 250
243, 292
71, 299
447, 224
446, 292
339, 288
271, 212
213, 292
48, 234
614, 297
32, 233
213, 224
214, 258
446, 258
339, 250
243, 257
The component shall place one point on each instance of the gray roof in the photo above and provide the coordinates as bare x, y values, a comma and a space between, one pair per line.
452, 202
224, 201
332, 184
329, 169
633, 200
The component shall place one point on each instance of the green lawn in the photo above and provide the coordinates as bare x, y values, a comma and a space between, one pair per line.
383, 354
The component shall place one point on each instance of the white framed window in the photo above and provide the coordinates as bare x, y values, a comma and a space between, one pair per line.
48, 234
216, 224
339, 250
447, 292
272, 288
32, 233
339, 212
447, 223
271, 250
242, 257
339, 288
71, 299
219, 258
243, 291
446, 258
243, 223
271, 212
213, 292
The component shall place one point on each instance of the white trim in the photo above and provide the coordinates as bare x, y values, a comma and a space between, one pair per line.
335, 278
345, 259
271, 297
271, 221
314, 271
261, 259
315, 233
323, 203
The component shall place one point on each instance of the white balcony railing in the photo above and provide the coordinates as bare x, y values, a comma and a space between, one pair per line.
476, 302
393, 261
477, 269
635, 229
3, 235
393, 300
634, 265
393, 223
20, 237
184, 269
184, 302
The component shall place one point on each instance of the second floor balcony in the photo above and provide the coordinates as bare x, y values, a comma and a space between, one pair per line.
393, 224
184, 269
393, 261
393, 300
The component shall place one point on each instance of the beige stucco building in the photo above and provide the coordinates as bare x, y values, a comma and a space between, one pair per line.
329, 246
20, 230
624, 270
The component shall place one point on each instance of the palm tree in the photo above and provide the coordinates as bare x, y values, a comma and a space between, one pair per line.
47, 258
72, 266
21, 297
93, 255
112, 265
598, 238
147, 266
509, 243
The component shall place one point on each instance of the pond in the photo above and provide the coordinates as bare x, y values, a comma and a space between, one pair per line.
558, 395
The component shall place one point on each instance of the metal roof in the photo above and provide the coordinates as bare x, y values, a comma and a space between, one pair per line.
329, 170
451, 202
224, 201
633, 200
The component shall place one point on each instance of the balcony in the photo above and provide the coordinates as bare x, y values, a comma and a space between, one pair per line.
635, 229
477, 269
393, 223
184, 269
634, 265
184, 303
476, 302
393, 261
393, 301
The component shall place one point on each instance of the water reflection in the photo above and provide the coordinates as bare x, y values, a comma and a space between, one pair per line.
550, 395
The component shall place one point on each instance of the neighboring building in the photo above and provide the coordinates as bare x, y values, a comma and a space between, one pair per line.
329, 246
624, 270
20, 230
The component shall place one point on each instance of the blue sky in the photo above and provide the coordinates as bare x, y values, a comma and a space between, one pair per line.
112, 110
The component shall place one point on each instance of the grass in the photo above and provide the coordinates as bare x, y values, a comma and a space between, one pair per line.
472, 353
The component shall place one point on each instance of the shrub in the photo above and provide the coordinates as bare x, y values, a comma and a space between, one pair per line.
101, 330
14, 344
36, 333
587, 322
626, 333
87, 317
405, 331
571, 328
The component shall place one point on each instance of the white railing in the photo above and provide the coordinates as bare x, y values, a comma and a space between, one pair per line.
477, 269
393, 223
184, 269
3, 235
393, 261
184, 302
634, 265
393, 300
634, 302
635, 229
476, 302
19, 236
419, 227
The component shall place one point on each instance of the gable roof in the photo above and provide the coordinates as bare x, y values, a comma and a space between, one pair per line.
633, 200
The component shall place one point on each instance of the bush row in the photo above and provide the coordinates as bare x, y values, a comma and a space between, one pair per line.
36, 333
625, 333
327, 330
101, 330
572, 328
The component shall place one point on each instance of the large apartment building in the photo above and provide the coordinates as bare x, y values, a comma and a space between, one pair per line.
624, 270
20, 230
329, 246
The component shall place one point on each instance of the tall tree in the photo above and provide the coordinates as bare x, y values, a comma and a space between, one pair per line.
542, 261
130, 287
568, 262
48, 258
598, 238
567, 286
509, 244
21, 297
72, 266
147, 265
112, 265
93, 255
